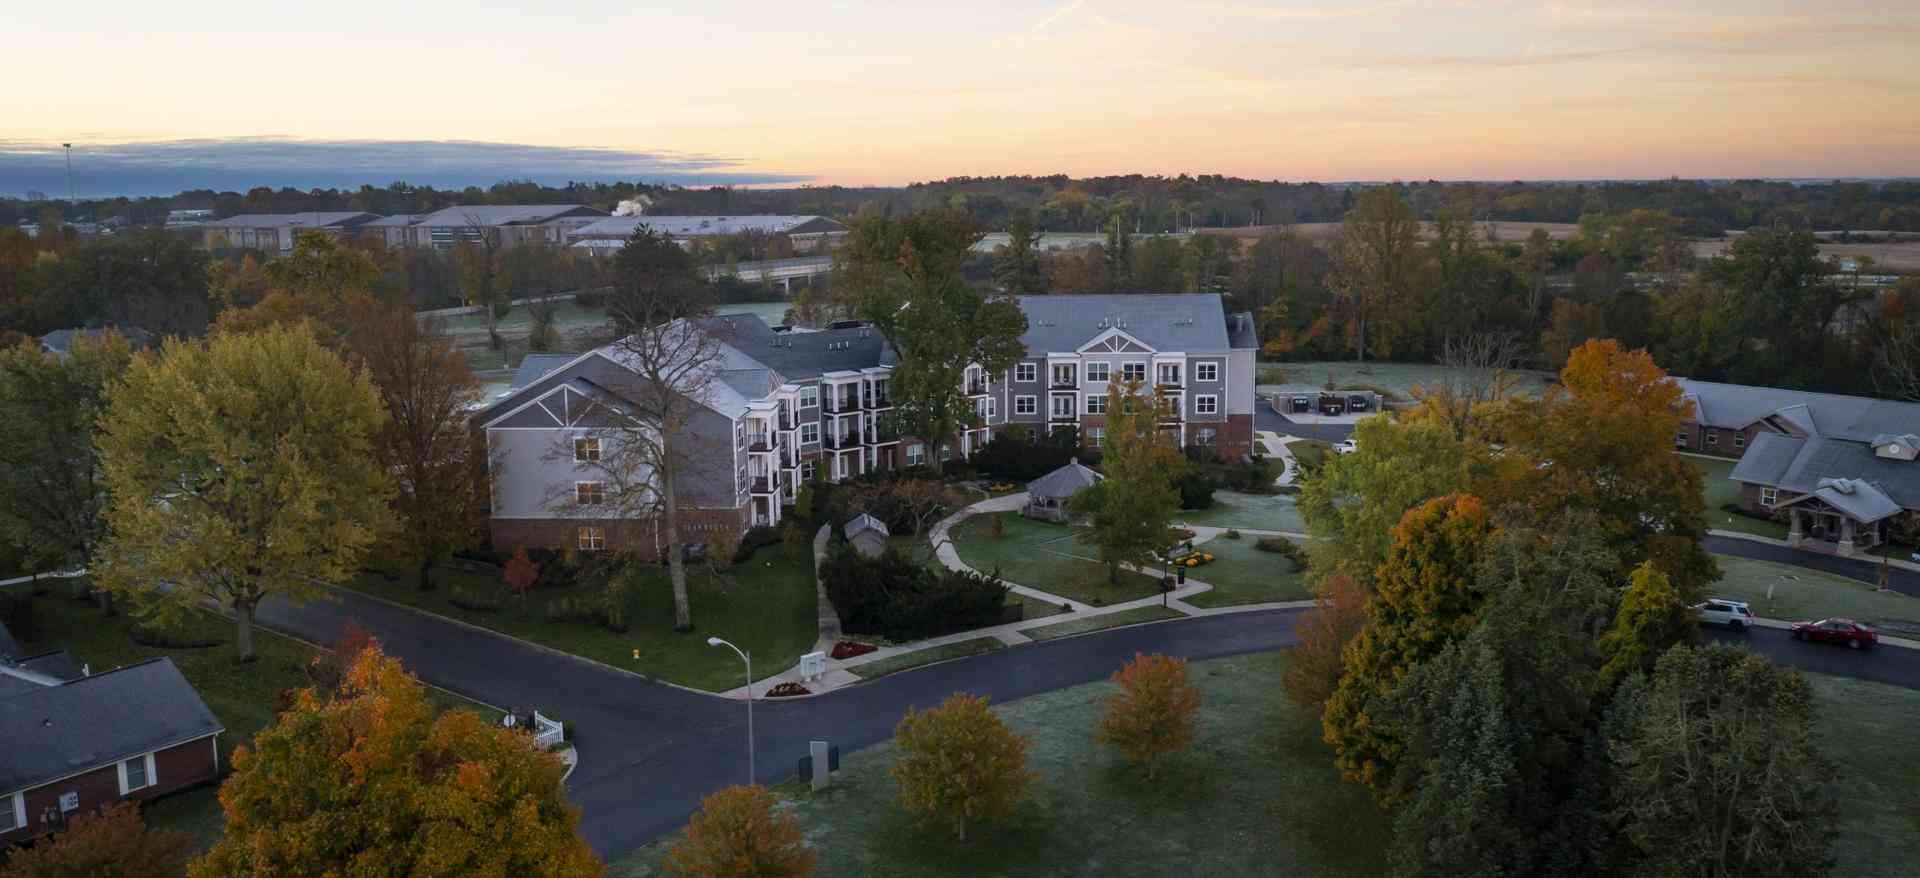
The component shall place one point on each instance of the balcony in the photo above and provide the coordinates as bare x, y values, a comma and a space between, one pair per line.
760, 443
788, 421
882, 437
849, 440
1065, 417
765, 484
838, 406
976, 388
878, 401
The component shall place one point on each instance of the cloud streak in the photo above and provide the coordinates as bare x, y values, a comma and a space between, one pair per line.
167, 166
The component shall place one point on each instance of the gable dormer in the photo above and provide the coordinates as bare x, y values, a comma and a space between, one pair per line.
1896, 446
1115, 339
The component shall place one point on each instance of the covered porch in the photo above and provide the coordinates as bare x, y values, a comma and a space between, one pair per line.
1842, 517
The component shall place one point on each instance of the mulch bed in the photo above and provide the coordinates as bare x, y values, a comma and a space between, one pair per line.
787, 690
847, 649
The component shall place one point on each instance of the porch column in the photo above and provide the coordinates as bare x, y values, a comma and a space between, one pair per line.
1797, 529
1845, 546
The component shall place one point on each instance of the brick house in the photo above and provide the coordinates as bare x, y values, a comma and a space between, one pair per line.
789, 406
1839, 470
76, 742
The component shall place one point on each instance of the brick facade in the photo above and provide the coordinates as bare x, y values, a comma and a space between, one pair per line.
176, 768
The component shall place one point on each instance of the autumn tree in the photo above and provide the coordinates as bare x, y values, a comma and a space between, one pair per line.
1314, 667
426, 443
239, 468
52, 487
1016, 264
1426, 596
1602, 440
1152, 714
1352, 501
960, 764
476, 260
110, 843
1716, 771
317, 282
1376, 267
1130, 511
741, 832
520, 574
371, 780
904, 277
1651, 618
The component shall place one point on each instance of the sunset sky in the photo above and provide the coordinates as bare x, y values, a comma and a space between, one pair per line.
901, 91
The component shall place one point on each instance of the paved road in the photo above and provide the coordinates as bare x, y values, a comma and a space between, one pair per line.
1904, 581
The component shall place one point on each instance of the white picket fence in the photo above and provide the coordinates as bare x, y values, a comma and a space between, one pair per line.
548, 733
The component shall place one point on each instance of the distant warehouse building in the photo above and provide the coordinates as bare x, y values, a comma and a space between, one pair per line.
809, 234
509, 225
274, 232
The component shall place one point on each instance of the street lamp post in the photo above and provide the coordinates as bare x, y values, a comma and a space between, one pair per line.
715, 641
69, 149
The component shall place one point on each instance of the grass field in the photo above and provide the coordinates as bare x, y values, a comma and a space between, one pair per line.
1045, 556
1782, 591
1720, 491
241, 696
1246, 511
1398, 379
1242, 574
766, 605
920, 658
1258, 795
1084, 624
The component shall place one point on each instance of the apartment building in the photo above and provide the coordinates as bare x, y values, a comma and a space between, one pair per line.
784, 407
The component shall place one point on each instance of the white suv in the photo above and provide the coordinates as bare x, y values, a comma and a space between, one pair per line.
1732, 614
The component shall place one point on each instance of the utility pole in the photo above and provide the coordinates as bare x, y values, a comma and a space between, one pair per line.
69, 149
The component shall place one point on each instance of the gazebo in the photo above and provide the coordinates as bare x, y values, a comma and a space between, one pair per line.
868, 535
1047, 496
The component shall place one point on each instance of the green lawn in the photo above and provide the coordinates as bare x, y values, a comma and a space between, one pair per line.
961, 649
1082, 625
1868, 730
1046, 556
1257, 795
1242, 574
766, 606
1720, 491
242, 696
1798, 593
1309, 454
1031, 608
1249, 511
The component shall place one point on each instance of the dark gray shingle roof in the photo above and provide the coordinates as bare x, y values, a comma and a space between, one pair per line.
1799, 465
1734, 406
536, 366
862, 523
57, 731
1064, 482
1189, 322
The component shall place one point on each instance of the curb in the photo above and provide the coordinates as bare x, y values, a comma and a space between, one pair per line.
1895, 642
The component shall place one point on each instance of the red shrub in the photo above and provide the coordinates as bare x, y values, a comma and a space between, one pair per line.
847, 649
787, 690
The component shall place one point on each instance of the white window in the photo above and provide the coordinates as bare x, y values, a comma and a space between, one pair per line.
136, 774
1097, 371
1740, 440
586, 449
1133, 371
1204, 436
810, 396
1027, 372
591, 539
1206, 404
1169, 373
589, 493
1025, 405
993, 408
916, 454
1096, 435
1206, 371
1063, 406
806, 470
1767, 496
1063, 375
13, 812
1096, 403
809, 432
1680, 439
739, 434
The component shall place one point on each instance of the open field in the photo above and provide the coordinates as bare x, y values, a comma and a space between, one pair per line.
1046, 556
1258, 794
1900, 257
1256, 511
1504, 231
767, 606
1398, 379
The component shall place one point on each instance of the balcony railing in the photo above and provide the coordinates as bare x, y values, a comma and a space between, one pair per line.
976, 388
849, 440
763, 442
765, 484
882, 437
788, 421
877, 401
1063, 416
836, 405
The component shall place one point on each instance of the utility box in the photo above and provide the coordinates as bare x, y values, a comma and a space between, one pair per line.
822, 760
813, 665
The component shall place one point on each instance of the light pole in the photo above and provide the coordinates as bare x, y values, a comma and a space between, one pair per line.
69, 149
715, 641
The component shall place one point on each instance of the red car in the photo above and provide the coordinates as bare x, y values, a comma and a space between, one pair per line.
1844, 631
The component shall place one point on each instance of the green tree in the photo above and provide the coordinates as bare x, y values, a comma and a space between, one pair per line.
904, 277
477, 262
1352, 502
1715, 768
52, 489
1377, 265
1651, 619
1131, 510
370, 781
959, 763
1016, 264
1119, 253
239, 468
1426, 596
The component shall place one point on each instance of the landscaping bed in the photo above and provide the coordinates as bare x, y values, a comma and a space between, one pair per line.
765, 605
918, 658
1082, 625
1045, 556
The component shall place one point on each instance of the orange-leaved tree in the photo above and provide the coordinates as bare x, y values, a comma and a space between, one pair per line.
959, 763
112, 841
1314, 667
1152, 714
1425, 597
1602, 441
520, 573
371, 781
738, 833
